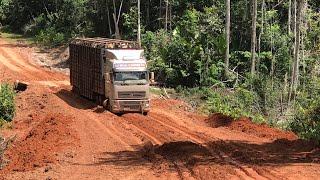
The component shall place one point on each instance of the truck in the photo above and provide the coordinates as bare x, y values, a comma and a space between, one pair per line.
112, 73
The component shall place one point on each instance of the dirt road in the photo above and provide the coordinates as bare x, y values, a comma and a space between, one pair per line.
60, 135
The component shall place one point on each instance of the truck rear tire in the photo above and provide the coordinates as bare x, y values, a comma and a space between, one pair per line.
145, 113
99, 99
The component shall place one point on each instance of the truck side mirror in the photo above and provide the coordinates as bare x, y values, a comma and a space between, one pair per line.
107, 77
152, 77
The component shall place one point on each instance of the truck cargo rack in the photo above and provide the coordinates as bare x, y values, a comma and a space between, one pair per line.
106, 43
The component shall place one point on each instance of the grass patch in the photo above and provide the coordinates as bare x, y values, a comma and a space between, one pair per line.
16, 38
163, 92
156, 91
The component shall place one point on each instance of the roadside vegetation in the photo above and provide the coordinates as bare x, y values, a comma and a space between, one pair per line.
7, 104
265, 66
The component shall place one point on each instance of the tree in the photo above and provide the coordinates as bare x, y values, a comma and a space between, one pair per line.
295, 71
227, 32
116, 18
139, 25
289, 16
167, 11
108, 17
254, 36
261, 29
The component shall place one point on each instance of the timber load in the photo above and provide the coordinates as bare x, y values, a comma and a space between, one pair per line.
106, 43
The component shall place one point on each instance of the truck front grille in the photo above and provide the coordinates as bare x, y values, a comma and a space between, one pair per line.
131, 105
132, 94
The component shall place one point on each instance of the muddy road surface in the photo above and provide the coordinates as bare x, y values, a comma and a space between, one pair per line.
59, 135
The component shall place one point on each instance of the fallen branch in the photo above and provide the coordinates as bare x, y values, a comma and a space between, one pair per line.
165, 93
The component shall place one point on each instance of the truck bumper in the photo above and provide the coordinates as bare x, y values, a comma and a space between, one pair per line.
119, 106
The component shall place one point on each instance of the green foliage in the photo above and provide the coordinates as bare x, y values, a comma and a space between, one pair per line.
4, 5
52, 22
235, 104
7, 105
307, 120
191, 54
155, 44
50, 37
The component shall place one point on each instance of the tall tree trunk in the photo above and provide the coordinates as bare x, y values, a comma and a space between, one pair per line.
108, 14
139, 25
289, 16
116, 26
295, 72
254, 36
304, 34
166, 20
261, 32
160, 14
226, 61
294, 25
148, 12
116, 18
170, 16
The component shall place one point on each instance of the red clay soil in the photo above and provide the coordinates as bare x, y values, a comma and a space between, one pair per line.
247, 126
218, 120
40, 146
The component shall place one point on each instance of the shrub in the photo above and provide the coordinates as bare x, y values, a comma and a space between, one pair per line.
306, 122
235, 104
50, 37
7, 106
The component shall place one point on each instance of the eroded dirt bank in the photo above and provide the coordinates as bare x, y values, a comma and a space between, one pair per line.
60, 135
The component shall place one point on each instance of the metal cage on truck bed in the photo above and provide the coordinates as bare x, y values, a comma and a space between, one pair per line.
87, 56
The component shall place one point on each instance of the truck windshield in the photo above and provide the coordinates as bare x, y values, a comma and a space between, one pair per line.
131, 77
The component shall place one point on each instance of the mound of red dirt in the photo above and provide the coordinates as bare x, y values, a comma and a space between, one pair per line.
41, 144
247, 126
218, 120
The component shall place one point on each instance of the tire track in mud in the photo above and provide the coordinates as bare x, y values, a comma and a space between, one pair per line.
241, 171
93, 120
17, 64
202, 139
159, 136
245, 172
15, 60
4, 61
139, 122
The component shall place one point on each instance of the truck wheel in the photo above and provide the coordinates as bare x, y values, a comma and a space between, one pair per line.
109, 107
145, 113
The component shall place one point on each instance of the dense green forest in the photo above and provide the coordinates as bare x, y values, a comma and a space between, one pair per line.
258, 58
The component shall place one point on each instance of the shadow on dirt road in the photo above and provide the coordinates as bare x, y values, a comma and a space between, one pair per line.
276, 153
75, 100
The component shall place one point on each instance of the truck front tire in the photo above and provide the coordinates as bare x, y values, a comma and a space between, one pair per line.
107, 105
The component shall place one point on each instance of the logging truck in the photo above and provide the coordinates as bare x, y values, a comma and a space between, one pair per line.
111, 72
